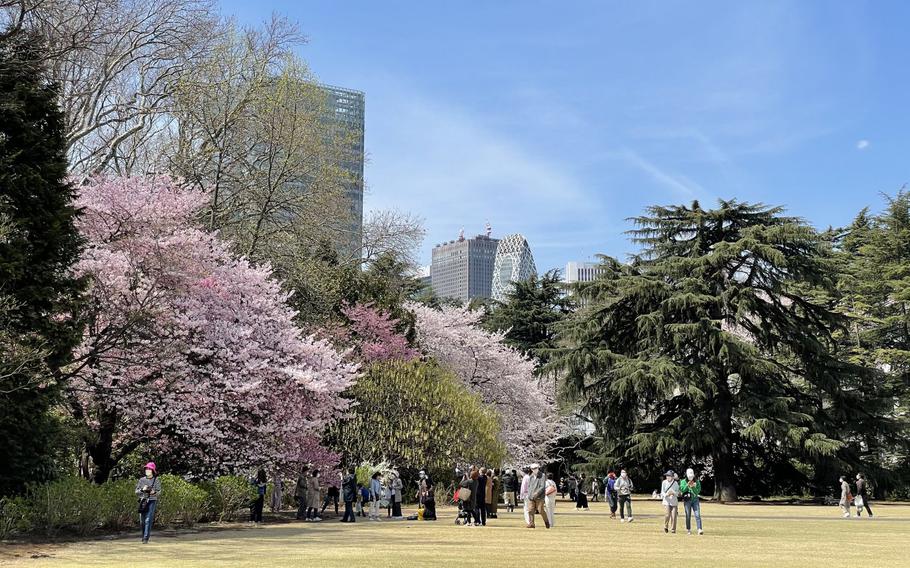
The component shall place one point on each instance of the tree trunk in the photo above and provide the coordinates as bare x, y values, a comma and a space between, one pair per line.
724, 478
101, 447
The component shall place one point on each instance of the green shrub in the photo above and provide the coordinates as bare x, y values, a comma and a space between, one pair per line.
68, 504
228, 495
180, 501
14, 517
120, 505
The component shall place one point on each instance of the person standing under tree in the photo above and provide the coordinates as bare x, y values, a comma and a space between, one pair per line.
313, 492
480, 509
537, 493
261, 483
349, 494
581, 494
624, 488
300, 493
493, 494
523, 494
396, 486
551, 499
375, 496
148, 489
862, 496
610, 492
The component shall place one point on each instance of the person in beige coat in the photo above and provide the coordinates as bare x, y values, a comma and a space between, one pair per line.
314, 498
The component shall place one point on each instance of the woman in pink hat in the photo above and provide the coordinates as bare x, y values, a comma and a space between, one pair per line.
148, 489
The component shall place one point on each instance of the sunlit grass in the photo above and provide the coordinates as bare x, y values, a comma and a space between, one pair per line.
736, 535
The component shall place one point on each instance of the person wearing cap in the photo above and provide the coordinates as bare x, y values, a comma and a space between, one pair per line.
690, 491
669, 494
148, 489
537, 493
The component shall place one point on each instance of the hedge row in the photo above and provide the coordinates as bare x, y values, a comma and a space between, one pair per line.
75, 506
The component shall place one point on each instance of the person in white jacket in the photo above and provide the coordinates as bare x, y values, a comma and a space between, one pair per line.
550, 505
523, 493
669, 494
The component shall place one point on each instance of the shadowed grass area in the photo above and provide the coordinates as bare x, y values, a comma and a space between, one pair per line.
736, 535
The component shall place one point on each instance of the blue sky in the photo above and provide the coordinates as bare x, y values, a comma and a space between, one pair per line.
561, 119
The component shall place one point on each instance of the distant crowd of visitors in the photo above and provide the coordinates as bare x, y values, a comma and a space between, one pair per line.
477, 494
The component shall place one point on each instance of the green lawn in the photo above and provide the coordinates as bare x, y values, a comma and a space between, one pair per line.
736, 535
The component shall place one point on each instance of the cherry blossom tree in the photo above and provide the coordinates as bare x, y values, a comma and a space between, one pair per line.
189, 351
502, 376
375, 336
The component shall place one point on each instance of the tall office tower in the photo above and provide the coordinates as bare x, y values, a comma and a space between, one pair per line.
514, 263
346, 113
463, 269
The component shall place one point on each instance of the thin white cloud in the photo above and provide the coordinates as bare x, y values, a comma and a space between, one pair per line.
678, 183
862, 144
453, 169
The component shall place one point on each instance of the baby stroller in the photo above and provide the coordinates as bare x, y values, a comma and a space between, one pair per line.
463, 517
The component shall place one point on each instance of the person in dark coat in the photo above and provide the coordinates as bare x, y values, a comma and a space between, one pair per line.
467, 505
349, 494
480, 509
426, 496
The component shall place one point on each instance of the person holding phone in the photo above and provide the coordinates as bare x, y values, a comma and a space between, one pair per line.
669, 494
690, 492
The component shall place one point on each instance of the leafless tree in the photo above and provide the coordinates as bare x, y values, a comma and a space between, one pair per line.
117, 63
392, 232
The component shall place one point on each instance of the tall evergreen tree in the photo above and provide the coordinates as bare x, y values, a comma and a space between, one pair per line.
37, 249
873, 256
708, 347
530, 313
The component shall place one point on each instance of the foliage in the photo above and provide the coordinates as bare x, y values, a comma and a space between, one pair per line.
189, 351
711, 346
415, 415
375, 335
227, 496
503, 377
68, 504
38, 244
181, 502
873, 262
118, 504
529, 316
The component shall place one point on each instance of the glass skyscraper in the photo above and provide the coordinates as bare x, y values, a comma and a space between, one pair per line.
346, 113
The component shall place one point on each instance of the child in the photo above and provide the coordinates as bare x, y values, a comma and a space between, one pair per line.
361, 499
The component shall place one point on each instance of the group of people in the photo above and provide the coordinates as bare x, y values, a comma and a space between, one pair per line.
861, 500
477, 494
313, 498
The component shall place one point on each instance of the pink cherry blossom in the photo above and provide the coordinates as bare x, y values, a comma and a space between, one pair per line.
501, 375
189, 349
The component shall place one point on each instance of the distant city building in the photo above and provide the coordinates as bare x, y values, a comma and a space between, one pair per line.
582, 272
346, 113
463, 269
514, 263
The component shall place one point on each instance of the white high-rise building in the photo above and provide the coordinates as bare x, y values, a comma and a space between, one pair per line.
582, 272
514, 263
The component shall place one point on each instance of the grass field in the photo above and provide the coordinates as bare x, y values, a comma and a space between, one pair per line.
735, 535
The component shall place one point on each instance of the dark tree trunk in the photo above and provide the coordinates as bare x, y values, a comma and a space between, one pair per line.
724, 476
101, 447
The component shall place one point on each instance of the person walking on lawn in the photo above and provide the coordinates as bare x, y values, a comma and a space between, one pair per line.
845, 497
537, 493
313, 497
690, 491
148, 489
862, 496
669, 494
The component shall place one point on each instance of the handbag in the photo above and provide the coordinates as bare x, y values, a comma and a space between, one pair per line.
859, 501
464, 494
